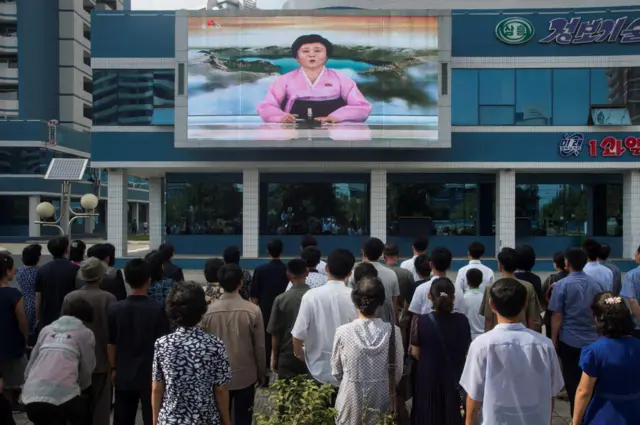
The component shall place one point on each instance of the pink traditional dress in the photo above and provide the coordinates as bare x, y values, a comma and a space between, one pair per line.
331, 94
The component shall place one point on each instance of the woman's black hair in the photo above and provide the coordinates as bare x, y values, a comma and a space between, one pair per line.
186, 304
612, 315
6, 264
31, 255
368, 295
77, 250
78, 308
309, 39
442, 294
558, 260
156, 263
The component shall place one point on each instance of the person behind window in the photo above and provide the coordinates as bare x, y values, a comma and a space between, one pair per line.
593, 267
549, 284
526, 260
473, 301
609, 390
605, 252
170, 270
26, 280
360, 359
475, 252
160, 284
212, 289
420, 246
231, 255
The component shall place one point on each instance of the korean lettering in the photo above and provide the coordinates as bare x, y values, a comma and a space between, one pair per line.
561, 30
610, 30
632, 33
587, 32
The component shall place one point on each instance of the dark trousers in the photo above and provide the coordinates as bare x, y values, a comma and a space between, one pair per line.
571, 372
126, 407
74, 412
241, 404
267, 347
6, 415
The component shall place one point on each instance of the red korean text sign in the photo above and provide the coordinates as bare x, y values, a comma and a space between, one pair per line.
613, 147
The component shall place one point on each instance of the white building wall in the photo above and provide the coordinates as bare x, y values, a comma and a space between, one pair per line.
505, 209
630, 213
117, 211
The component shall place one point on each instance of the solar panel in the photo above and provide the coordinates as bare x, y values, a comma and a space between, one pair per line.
70, 169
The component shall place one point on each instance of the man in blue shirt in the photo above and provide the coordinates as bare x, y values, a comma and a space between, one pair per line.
572, 323
593, 268
605, 251
631, 291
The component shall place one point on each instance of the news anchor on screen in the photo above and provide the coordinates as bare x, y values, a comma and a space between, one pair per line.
313, 92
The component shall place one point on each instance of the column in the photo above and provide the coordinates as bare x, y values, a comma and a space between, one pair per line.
155, 212
136, 214
34, 229
597, 209
630, 213
378, 205
505, 209
250, 213
117, 210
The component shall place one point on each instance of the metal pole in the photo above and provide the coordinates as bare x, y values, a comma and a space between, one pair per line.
65, 208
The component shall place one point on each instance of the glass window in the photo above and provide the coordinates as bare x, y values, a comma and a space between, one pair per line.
24, 160
14, 212
464, 99
497, 87
316, 208
203, 208
497, 115
133, 97
614, 210
551, 209
571, 96
599, 86
533, 97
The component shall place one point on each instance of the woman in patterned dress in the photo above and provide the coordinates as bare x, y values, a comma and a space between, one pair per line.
360, 358
26, 279
190, 368
160, 285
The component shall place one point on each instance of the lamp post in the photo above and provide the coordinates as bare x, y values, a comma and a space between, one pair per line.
46, 210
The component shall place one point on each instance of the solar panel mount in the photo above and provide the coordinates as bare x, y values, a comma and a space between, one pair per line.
66, 169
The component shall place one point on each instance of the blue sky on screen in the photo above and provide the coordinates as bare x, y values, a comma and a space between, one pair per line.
192, 4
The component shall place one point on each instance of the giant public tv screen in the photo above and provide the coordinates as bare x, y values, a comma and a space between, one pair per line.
333, 78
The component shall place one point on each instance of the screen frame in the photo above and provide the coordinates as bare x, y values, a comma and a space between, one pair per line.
181, 139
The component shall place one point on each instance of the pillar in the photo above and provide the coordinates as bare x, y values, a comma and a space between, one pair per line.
155, 213
505, 209
596, 209
250, 213
378, 205
34, 229
117, 210
630, 213
136, 214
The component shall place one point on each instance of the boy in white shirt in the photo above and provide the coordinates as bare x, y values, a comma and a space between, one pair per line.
473, 301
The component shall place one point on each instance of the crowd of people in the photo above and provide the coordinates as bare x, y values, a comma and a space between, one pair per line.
81, 341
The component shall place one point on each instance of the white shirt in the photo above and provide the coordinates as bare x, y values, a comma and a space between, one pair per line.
600, 273
472, 303
487, 275
322, 311
421, 304
322, 268
515, 373
313, 280
410, 265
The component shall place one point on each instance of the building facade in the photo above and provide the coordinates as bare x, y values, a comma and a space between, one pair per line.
537, 135
46, 77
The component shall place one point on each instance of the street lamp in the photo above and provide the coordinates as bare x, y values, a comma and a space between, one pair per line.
46, 210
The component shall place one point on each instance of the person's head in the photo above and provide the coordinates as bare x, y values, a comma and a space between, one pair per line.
307, 241
92, 251
372, 249
92, 270
275, 248
167, 250
475, 250
575, 259
363, 270
230, 277
638, 255
311, 255
137, 273
422, 264
7, 269
474, 278
297, 270
31, 255
391, 252
558, 261
442, 294
441, 259
368, 295
507, 260
340, 263
211, 268
592, 248
605, 252
508, 297
110, 252
156, 265
77, 250
526, 258
420, 245
612, 315
186, 304
311, 51
231, 255
78, 308
100, 251
58, 247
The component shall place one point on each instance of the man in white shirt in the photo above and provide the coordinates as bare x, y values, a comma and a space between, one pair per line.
420, 246
311, 256
475, 252
473, 302
512, 373
593, 267
322, 311
440, 262
310, 240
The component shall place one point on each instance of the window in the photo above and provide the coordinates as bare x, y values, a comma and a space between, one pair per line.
86, 58
87, 112
464, 96
533, 97
87, 84
317, 208
613, 210
133, 97
571, 96
195, 207
24, 160
86, 30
